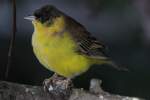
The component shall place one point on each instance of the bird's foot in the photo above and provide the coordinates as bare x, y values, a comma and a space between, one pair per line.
58, 84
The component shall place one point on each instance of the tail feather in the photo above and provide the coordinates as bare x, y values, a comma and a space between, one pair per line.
111, 63
120, 68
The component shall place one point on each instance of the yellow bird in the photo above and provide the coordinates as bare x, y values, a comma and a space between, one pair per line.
63, 45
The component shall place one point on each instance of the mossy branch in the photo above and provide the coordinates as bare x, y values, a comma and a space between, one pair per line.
13, 91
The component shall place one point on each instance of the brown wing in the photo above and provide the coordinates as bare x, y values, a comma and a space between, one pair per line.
87, 44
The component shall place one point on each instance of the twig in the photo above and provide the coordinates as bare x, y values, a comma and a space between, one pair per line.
12, 40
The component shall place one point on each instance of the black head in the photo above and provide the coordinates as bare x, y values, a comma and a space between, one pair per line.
46, 14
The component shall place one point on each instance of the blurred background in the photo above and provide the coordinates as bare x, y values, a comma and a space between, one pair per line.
123, 25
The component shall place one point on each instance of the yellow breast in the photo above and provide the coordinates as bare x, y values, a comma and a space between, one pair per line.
57, 53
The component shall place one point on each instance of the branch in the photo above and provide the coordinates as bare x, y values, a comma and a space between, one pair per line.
14, 91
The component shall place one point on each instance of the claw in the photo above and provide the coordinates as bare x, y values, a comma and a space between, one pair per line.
58, 84
47, 85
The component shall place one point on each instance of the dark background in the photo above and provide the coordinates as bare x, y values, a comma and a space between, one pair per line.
123, 25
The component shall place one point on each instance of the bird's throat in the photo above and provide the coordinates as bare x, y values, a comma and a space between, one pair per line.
57, 27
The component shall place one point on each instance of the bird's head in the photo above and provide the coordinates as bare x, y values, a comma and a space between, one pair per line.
47, 19
45, 15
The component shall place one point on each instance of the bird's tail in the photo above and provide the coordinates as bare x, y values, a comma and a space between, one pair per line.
116, 66
111, 63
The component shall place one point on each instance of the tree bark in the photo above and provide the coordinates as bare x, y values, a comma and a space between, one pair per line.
15, 91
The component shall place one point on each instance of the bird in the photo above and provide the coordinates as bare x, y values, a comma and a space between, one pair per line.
63, 45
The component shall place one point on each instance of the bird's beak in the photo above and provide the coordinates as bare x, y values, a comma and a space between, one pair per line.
30, 18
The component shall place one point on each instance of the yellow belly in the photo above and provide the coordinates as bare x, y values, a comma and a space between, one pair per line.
58, 54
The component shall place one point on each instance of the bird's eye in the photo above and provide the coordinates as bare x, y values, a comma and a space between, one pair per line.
37, 14
48, 22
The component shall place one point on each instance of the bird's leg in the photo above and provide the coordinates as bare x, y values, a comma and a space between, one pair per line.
58, 83
48, 83
67, 83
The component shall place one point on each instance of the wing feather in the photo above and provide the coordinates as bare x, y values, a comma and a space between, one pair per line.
87, 45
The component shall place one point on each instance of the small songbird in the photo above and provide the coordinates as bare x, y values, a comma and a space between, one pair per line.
63, 45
